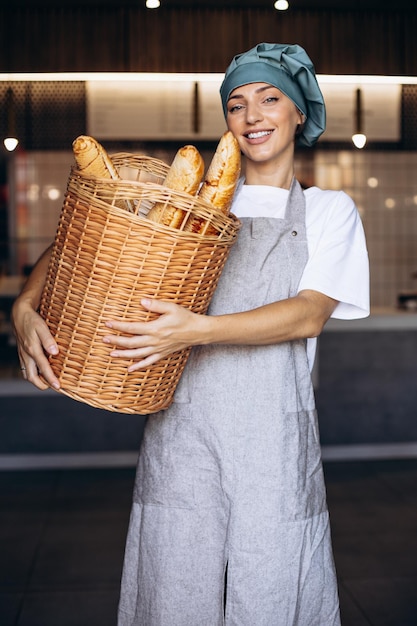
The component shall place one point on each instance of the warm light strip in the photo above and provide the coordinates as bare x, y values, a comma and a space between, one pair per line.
208, 77
109, 76
366, 80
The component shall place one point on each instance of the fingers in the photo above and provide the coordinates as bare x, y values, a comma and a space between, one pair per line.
130, 330
35, 342
157, 306
140, 334
37, 370
47, 341
147, 362
134, 346
148, 342
30, 372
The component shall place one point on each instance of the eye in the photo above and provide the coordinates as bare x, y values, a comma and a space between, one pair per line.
271, 99
235, 108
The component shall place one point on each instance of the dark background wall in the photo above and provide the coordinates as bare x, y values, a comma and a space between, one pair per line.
342, 37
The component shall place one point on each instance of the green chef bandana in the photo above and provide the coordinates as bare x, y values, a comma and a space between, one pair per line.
287, 67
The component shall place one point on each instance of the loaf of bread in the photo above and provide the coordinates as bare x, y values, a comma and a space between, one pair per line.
186, 171
92, 159
185, 174
222, 175
220, 182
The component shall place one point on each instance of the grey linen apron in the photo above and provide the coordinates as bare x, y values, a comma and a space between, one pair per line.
229, 500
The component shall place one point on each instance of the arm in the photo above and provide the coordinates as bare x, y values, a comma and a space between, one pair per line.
32, 334
176, 328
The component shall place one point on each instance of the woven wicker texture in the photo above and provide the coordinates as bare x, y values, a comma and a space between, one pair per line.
105, 260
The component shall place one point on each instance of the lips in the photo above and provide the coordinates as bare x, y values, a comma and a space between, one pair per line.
258, 135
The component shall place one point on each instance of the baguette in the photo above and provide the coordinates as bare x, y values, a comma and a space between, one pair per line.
220, 181
92, 159
185, 174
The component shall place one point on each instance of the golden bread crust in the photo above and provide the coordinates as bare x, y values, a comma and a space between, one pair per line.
185, 174
221, 179
91, 158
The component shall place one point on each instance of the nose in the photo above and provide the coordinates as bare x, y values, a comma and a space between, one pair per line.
253, 113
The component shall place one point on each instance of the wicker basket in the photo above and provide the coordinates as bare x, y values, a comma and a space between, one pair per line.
105, 259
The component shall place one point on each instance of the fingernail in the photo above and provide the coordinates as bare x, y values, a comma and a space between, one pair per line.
146, 302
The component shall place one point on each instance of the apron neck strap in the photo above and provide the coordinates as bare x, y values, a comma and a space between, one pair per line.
296, 204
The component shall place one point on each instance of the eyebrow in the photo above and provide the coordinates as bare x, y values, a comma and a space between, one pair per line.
259, 90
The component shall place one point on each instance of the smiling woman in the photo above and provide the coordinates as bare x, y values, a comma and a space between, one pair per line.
230, 486
229, 521
289, 69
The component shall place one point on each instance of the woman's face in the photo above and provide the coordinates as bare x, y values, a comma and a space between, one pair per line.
264, 121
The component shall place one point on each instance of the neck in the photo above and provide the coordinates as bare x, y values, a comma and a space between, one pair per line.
257, 174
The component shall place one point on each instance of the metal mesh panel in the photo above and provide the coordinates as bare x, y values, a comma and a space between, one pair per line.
18, 112
48, 115
409, 117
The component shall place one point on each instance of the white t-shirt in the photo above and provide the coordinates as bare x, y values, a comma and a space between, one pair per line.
338, 263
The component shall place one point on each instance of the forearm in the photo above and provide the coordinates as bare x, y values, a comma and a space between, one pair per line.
34, 341
300, 317
32, 289
176, 328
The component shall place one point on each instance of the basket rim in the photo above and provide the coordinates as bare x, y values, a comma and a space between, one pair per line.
126, 157
230, 219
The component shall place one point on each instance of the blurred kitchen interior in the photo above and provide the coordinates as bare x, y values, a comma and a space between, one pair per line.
146, 81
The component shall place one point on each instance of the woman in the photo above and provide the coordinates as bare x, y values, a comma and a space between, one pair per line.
229, 522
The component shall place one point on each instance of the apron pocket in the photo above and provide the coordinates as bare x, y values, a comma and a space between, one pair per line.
301, 444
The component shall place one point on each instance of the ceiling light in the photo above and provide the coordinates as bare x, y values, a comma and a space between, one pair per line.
359, 140
152, 4
281, 5
358, 137
11, 141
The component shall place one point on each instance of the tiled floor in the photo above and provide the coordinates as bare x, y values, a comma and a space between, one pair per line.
62, 537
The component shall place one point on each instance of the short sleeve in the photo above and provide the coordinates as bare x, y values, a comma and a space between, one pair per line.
338, 264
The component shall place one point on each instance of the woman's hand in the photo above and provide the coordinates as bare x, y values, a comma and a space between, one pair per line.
146, 343
34, 342
176, 328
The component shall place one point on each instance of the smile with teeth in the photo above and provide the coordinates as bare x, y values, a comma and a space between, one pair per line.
262, 133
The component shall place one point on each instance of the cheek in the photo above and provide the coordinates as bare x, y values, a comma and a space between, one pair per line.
238, 135
293, 122
235, 127
231, 123
299, 118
